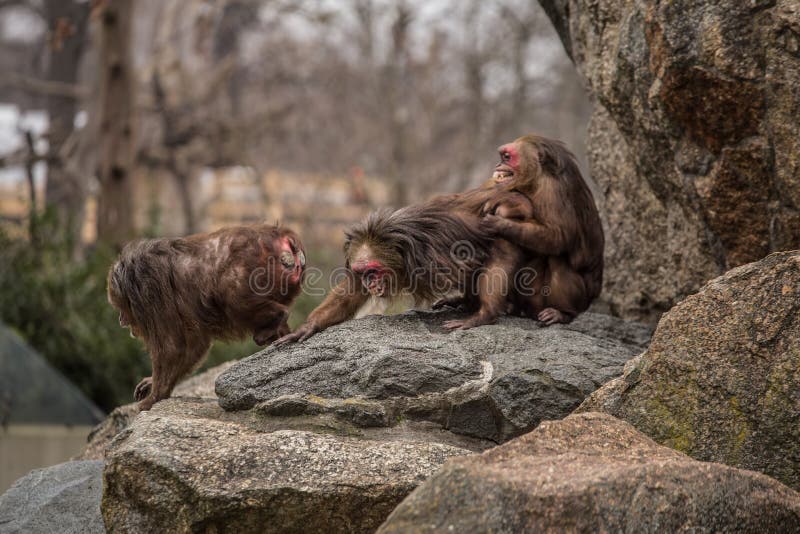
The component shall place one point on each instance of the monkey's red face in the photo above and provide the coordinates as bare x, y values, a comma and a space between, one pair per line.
509, 163
292, 257
375, 276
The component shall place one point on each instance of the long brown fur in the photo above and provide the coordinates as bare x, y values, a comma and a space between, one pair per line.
178, 295
427, 241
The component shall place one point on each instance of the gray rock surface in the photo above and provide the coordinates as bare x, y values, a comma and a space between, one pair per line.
694, 142
593, 473
188, 466
721, 378
492, 382
200, 385
64, 498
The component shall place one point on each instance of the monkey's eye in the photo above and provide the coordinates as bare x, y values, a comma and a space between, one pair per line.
505, 156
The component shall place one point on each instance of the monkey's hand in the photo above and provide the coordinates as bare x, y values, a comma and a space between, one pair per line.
497, 226
303, 332
488, 208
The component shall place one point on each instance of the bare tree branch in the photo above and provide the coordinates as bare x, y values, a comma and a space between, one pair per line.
45, 87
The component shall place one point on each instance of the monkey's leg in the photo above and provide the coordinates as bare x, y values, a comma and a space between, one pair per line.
170, 367
493, 287
493, 293
567, 295
451, 302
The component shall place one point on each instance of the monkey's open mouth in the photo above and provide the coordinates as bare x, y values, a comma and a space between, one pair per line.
502, 173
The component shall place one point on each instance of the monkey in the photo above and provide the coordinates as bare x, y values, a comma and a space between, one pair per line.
561, 233
425, 251
542, 215
178, 295
565, 231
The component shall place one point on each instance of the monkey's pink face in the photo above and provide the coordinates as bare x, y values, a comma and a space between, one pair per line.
292, 258
374, 276
509, 163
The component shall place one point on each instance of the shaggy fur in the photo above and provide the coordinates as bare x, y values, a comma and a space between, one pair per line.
177, 295
433, 251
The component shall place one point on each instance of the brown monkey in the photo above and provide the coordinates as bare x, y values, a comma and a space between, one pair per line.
177, 295
425, 251
565, 229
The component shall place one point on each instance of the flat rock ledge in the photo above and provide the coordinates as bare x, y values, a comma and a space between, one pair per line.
188, 466
593, 473
493, 382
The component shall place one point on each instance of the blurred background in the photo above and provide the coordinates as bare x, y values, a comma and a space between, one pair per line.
125, 118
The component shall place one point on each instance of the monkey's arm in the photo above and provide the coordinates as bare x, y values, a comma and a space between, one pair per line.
341, 304
549, 226
538, 238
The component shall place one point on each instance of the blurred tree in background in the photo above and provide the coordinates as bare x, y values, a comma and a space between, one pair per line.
166, 117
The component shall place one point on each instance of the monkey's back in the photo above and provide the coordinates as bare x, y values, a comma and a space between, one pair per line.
197, 283
152, 283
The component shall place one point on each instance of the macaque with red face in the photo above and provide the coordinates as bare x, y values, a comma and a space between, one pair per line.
564, 232
423, 252
178, 295
545, 225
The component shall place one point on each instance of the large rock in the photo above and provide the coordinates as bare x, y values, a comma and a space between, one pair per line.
62, 498
593, 473
492, 382
694, 143
188, 466
199, 386
721, 379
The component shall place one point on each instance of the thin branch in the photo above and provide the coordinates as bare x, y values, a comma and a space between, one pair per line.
32, 230
45, 87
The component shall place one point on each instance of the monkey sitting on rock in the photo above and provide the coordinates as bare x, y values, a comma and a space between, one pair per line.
178, 295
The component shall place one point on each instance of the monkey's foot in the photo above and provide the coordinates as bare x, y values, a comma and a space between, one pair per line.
552, 316
147, 403
469, 322
143, 389
452, 302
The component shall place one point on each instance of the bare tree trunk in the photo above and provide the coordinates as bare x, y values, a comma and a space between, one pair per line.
65, 191
397, 91
115, 164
